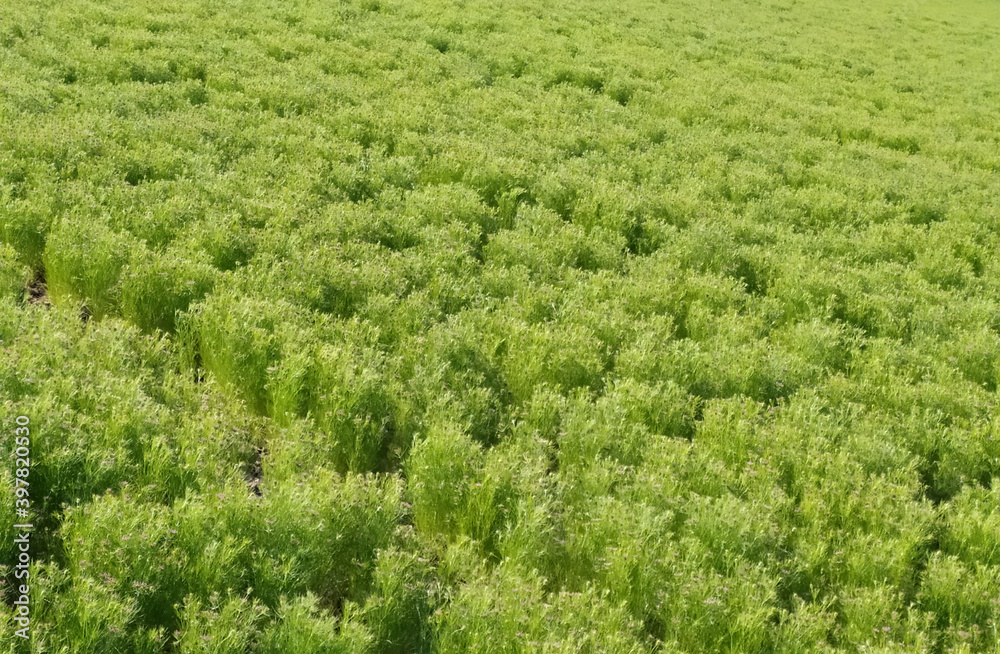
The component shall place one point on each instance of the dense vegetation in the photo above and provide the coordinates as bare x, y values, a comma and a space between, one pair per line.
480, 326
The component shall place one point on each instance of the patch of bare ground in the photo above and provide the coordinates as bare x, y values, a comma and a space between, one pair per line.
253, 475
38, 291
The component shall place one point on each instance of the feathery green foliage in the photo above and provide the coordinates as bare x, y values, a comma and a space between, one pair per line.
430, 327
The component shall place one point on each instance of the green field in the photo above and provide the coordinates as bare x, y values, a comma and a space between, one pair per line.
386, 327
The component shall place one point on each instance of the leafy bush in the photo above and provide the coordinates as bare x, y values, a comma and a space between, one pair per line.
480, 620
24, 226
83, 265
163, 285
235, 340
400, 605
14, 276
301, 626
352, 407
165, 554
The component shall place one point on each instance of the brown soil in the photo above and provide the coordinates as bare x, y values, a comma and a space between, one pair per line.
38, 291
